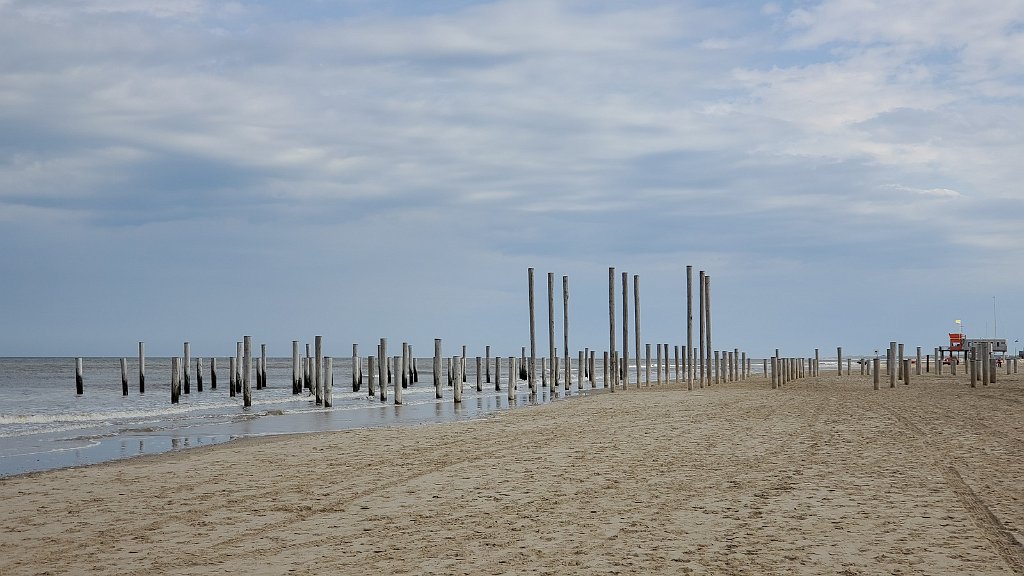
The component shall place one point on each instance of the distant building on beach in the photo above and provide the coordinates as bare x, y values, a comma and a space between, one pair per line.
997, 344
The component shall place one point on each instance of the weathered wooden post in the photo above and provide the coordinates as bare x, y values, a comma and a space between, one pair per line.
533, 339
457, 377
188, 368
906, 371
318, 370
689, 327
497, 374
462, 364
246, 371
605, 375
636, 324
479, 374
701, 327
79, 377
232, 373
357, 369
396, 381
239, 365
487, 362
437, 368
875, 372
175, 383
296, 377
383, 367
407, 364
647, 364
328, 381
124, 376
707, 320
551, 331
580, 369
677, 366
624, 360
565, 334
918, 369
899, 360
213, 373
658, 380
891, 364
511, 379
142, 367
371, 373
199, 374
718, 367
775, 372
610, 382
839, 359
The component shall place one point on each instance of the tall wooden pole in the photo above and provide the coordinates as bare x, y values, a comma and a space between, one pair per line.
707, 320
625, 329
296, 374
610, 381
689, 327
701, 327
636, 324
142, 367
246, 371
551, 331
533, 338
567, 367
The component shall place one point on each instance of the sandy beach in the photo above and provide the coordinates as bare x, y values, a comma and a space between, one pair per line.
825, 476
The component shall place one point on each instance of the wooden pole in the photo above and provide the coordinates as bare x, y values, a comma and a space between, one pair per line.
533, 338
175, 383
188, 368
610, 382
213, 373
239, 348
383, 367
580, 369
296, 377
918, 369
263, 366
232, 372
487, 362
371, 373
606, 376
676, 350
497, 374
839, 359
565, 333
328, 381
437, 368
407, 364
647, 364
658, 380
551, 331
625, 330
479, 374
397, 363
246, 371
891, 363
707, 320
899, 360
199, 374
79, 377
318, 370
875, 367
906, 371
511, 379
142, 367
357, 368
457, 377
124, 376
701, 328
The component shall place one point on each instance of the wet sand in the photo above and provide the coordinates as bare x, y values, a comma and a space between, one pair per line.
825, 476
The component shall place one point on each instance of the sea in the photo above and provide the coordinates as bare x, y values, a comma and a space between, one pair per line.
45, 424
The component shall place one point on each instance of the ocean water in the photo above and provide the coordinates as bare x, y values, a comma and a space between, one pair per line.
45, 425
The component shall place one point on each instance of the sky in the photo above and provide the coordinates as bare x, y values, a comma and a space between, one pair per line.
848, 172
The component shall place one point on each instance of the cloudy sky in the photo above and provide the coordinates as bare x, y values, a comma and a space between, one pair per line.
847, 171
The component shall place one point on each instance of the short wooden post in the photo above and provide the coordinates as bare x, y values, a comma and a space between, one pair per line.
511, 379
79, 377
357, 369
437, 368
677, 366
247, 371
487, 362
892, 365
479, 374
918, 369
213, 373
580, 369
371, 373
263, 365
775, 372
659, 360
238, 366
383, 367
232, 372
457, 377
647, 364
397, 363
407, 364
899, 360
906, 371
188, 368
142, 367
199, 374
318, 370
875, 371
839, 359
497, 374
328, 381
175, 383
124, 376
296, 377
718, 367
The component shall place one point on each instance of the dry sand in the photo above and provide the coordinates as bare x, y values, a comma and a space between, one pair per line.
823, 477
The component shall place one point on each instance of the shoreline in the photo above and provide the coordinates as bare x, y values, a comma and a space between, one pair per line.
823, 476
